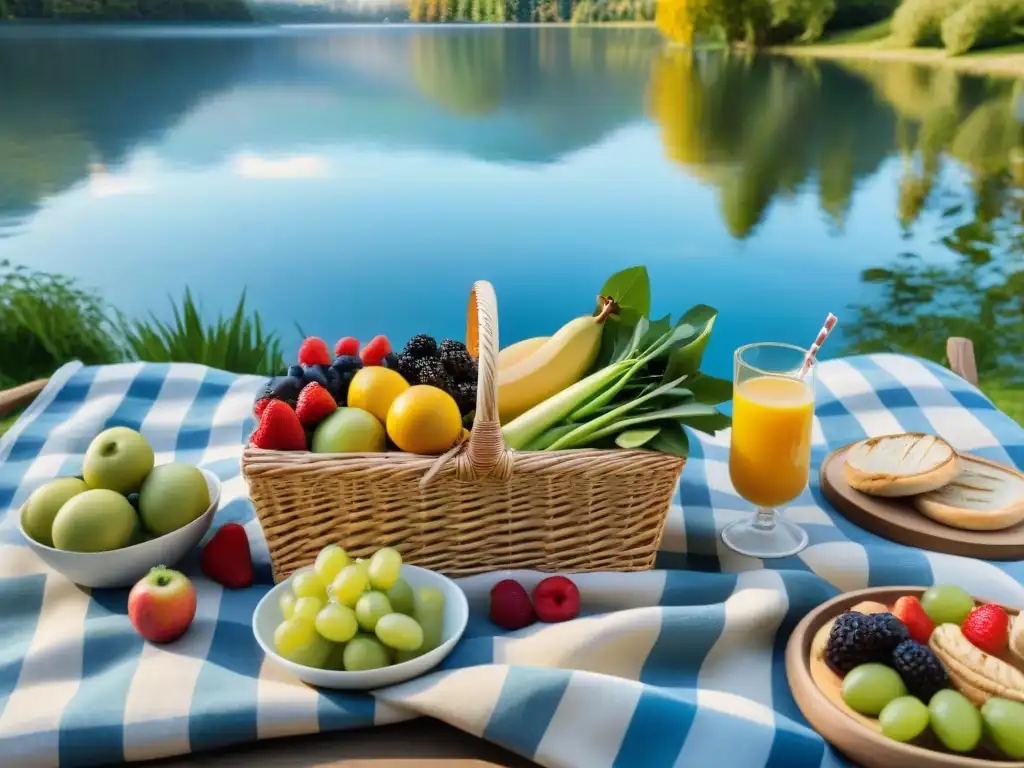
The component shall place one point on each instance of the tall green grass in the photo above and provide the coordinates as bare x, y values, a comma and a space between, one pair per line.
47, 319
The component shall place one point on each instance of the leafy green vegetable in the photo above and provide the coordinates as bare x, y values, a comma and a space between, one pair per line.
631, 290
709, 389
687, 358
692, 412
634, 438
672, 439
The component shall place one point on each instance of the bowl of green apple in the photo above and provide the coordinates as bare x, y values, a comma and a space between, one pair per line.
122, 516
360, 624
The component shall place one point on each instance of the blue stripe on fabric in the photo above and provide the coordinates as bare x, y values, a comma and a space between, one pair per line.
525, 707
92, 725
895, 397
687, 635
337, 710
891, 565
698, 512
140, 398
224, 703
658, 729
21, 602
795, 746
196, 427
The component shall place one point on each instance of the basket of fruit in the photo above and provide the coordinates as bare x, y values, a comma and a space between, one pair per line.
575, 450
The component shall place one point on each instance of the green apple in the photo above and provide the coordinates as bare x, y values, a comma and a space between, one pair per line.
43, 505
349, 430
172, 497
118, 459
97, 520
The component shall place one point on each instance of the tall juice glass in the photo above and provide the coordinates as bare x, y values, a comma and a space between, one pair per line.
770, 453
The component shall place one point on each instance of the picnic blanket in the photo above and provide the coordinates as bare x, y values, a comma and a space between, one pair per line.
681, 665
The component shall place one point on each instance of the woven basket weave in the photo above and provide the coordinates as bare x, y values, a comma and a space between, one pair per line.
481, 507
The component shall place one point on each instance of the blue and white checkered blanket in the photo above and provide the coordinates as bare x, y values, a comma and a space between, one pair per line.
682, 665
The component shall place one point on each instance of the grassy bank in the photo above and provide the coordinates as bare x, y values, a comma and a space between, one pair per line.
874, 43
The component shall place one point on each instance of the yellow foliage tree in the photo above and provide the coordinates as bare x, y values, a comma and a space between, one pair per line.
678, 20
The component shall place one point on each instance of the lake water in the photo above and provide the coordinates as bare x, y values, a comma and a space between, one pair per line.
357, 180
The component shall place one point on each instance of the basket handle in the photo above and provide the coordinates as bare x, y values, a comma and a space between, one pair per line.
487, 455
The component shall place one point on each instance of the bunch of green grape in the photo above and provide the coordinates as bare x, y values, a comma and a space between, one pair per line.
356, 615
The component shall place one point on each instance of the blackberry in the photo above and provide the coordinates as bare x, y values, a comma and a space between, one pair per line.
407, 367
449, 346
431, 371
459, 364
465, 396
421, 346
851, 642
296, 371
889, 632
347, 363
921, 670
311, 373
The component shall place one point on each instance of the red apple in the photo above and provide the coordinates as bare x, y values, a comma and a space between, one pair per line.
162, 605
556, 598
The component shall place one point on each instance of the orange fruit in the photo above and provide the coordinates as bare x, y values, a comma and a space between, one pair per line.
374, 389
424, 420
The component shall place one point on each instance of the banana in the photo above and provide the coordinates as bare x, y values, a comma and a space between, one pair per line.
516, 353
1017, 637
977, 675
556, 364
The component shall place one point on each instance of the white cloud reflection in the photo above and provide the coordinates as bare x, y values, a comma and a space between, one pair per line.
102, 183
293, 167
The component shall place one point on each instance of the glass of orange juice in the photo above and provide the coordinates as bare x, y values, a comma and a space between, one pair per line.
770, 452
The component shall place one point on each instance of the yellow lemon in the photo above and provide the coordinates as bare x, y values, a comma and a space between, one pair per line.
424, 420
374, 389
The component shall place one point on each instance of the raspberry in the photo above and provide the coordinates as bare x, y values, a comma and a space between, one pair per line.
376, 350
314, 351
346, 346
315, 404
510, 605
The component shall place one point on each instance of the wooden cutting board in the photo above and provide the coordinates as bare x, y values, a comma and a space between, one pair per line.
897, 520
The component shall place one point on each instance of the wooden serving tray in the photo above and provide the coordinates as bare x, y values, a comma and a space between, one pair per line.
816, 692
897, 520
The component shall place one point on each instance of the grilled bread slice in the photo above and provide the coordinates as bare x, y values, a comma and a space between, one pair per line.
900, 465
982, 497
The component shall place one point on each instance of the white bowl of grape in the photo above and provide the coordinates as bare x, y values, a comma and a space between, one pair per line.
360, 624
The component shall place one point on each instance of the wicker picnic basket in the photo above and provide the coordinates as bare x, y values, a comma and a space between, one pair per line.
480, 507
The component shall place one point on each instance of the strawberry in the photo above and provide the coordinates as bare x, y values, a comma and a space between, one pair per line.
226, 557
315, 404
908, 610
556, 598
279, 429
314, 351
510, 605
346, 346
376, 350
988, 628
261, 405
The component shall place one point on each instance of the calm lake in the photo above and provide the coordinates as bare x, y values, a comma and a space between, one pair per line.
357, 180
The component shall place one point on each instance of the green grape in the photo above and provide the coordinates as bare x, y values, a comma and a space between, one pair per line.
337, 623
308, 584
287, 604
401, 597
291, 635
903, 719
315, 654
398, 631
403, 656
429, 614
350, 584
307, 608
947, 604
1004, 722
329, 563
370, 608
955, 720
336, 659
869, 687
365, 652
385, 568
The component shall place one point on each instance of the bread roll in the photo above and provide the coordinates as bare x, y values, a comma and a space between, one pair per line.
982, 497
900, 465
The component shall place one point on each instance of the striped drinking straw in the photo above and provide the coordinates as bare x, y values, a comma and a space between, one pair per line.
826, 329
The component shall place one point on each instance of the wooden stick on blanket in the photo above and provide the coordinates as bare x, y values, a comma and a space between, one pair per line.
960, 352
20, 395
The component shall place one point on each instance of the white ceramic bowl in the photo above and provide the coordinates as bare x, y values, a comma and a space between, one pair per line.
124, 567
456, 615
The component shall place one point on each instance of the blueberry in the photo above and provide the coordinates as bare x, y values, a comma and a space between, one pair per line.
390, 361
347, 363
133, 499
286, 388
313, 373
296, 371
334, 382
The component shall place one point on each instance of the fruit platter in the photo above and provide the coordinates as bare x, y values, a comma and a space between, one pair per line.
905, 675
360, 623
399, 446
916, 489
